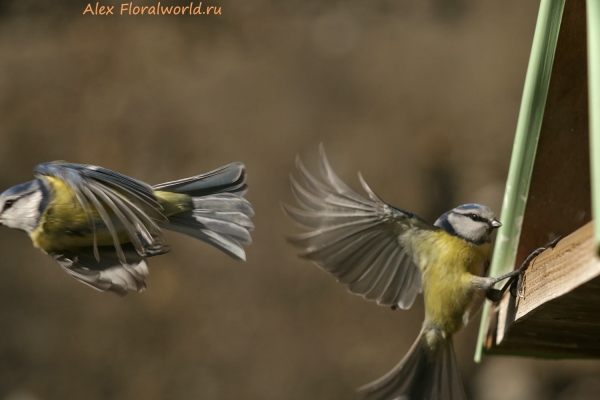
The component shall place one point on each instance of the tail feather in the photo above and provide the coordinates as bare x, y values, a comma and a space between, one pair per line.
220, 215
224, 202
423, 374
230, 178
234, 224
190, 227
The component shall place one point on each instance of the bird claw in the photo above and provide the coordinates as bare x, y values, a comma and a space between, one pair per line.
516, 288
517, 276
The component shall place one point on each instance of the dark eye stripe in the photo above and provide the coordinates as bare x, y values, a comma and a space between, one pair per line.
474, 217
477, 218
9, 203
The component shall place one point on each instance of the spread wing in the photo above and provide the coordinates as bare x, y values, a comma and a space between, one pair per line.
123, 204
364, 242
107, 273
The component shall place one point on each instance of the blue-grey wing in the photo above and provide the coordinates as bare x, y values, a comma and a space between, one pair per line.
123, 204
364, 242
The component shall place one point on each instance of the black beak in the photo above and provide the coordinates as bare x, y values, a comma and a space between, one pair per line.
496, 224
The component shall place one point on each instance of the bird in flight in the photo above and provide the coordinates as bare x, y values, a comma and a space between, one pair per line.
100, 225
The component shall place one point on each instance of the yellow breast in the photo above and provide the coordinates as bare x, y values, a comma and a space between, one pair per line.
65, 225
448, 264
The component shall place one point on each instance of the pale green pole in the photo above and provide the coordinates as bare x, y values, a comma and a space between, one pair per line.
529, 124
593, 54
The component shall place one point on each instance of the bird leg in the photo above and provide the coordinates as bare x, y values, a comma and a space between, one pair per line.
515, 278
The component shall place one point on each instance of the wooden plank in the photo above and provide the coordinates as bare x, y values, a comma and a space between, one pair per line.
558, 315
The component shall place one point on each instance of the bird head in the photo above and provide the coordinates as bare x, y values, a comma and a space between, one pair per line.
472, 222
22, 205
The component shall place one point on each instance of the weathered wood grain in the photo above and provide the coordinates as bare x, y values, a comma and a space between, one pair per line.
559, 314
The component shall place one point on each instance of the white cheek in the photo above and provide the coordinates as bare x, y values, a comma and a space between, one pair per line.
24, 214
468, 228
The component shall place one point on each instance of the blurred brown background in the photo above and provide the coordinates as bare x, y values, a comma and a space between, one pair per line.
421, 96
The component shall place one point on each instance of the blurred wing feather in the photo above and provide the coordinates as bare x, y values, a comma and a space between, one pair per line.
362, 241
107, 274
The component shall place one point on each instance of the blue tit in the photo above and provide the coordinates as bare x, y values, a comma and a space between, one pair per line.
389, 255
100, 226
